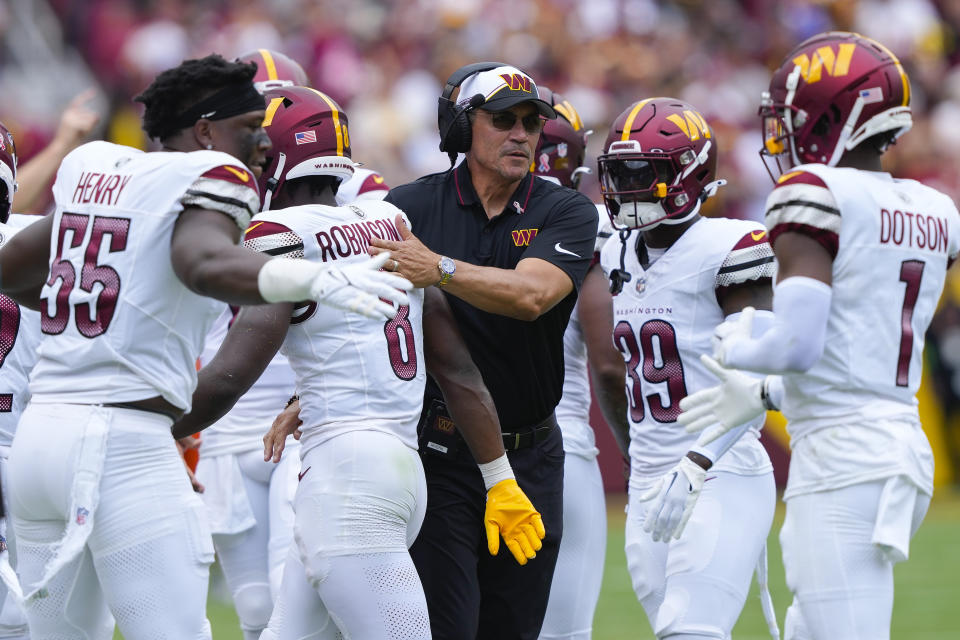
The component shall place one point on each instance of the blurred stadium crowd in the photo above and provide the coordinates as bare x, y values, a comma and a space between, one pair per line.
385, 62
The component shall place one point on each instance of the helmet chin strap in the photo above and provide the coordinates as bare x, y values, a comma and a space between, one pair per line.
846, 132
643, 211
273, 181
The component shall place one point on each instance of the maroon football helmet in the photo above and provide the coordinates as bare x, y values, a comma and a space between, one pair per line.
831, 93
275, 69
8, 171
563, 143
659, 165
309, 135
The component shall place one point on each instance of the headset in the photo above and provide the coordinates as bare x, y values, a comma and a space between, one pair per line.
452, 120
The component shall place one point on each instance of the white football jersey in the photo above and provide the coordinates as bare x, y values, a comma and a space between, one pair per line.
19, 337
891, 241
664, 320
365, 184
118, 324
353, 372
573, 411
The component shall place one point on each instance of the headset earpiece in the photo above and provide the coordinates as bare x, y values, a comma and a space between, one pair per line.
452, 121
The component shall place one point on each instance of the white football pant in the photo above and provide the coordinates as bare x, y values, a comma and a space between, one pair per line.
697, 585
837, 565
359, 506
252, 559
13, 622
578, 575
149, 549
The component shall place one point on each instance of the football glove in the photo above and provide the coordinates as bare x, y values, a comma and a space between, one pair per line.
736, 400
674, 496
359, 287
510, 514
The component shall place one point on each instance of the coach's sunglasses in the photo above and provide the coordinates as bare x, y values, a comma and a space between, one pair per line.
505, 121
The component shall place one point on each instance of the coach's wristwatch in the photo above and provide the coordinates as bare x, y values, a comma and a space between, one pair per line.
447, 268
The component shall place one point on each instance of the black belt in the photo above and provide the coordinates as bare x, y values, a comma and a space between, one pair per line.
512, 441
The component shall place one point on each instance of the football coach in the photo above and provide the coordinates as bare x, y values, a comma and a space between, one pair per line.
510, 250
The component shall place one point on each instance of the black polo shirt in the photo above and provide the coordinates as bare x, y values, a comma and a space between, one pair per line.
521, 362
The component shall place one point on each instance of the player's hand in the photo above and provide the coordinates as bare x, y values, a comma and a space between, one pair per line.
287, 422
729, 332
185, 444
674, 496
737, 399
510, 514
359, 287
362, 288
414, 260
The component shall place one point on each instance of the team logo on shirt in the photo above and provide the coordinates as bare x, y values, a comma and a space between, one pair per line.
522, 237
244, 177
445, 424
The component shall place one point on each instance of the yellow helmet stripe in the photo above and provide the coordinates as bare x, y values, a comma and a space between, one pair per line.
269, 63
567, 111
628, 125
271, 111
336, 118
903, 74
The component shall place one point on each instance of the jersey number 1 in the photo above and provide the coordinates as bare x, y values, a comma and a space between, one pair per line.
911, 272
89, 325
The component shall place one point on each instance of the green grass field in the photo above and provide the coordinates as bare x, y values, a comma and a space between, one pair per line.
927, 589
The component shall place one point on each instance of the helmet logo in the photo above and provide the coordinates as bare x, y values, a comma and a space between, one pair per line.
835, 64
305, 137
692, 124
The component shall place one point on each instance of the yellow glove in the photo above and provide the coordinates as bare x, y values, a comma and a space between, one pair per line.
510, 514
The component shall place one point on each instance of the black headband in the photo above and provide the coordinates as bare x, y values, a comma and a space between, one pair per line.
230, 101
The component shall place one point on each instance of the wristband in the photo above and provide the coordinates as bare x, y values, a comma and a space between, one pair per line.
495, 471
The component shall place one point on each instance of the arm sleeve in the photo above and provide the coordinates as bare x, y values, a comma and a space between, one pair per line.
228, 189
795, 340
802, 203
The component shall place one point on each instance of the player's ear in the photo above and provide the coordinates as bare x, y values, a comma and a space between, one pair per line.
203, 133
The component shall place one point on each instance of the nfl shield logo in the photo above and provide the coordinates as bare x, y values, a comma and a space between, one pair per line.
562, 149
641, 284
82, 515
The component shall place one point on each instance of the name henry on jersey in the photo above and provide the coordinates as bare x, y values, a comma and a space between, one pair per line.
353, 238
904, 228
101, 188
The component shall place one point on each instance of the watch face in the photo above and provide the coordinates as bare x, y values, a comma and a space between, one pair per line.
448, 265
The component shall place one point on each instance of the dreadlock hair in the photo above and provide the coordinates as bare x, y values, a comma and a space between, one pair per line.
174, 90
